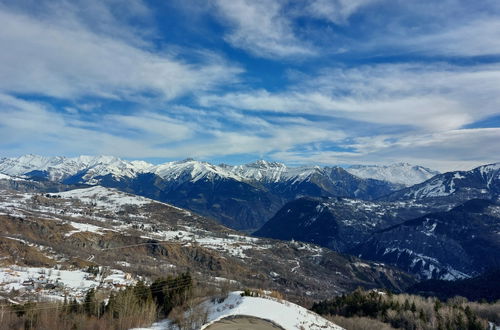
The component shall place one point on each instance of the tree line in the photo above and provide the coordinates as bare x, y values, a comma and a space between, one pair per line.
403, 311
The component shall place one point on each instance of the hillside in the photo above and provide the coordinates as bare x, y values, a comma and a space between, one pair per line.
101, 226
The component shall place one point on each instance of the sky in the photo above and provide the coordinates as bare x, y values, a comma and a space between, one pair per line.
329, 82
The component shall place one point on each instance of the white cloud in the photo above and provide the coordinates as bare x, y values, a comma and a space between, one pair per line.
262, 28
276, 29
444, 151
421, 107
337, 11
150, 127
104, 17
477, 37
69, 61
431, 28
430, 97
31, 127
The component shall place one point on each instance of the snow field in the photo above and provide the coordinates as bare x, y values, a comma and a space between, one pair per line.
286, 314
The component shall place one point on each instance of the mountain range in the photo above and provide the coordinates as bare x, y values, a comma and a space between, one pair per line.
430, 229
443, 228
95, 225
243, 197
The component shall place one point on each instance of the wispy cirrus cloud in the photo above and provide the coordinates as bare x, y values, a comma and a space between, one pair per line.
478, 37
37, 127
68, 59
262, 28
449, 29
430, 97
285, 29
423, 108
336, 11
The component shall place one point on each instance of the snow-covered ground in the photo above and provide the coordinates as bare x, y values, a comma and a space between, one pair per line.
105, 197
283, 313
84, 227
72, 283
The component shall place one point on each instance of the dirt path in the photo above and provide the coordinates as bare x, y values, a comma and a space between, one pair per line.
243, 323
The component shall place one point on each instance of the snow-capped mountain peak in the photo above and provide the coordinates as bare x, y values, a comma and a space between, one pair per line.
261, 170
192, 170
480, 182
400, 173
59, 168
90, 170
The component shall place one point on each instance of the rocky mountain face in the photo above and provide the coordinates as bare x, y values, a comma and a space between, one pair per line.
459, 243
92, 226
241, 197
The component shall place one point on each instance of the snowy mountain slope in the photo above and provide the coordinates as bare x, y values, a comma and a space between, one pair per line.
268, 172
448, 245
75, 282
400, 173
274, 175
295, 182
480, 182
338, 223
192, 170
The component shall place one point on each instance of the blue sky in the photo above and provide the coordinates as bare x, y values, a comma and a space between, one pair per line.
302, 82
